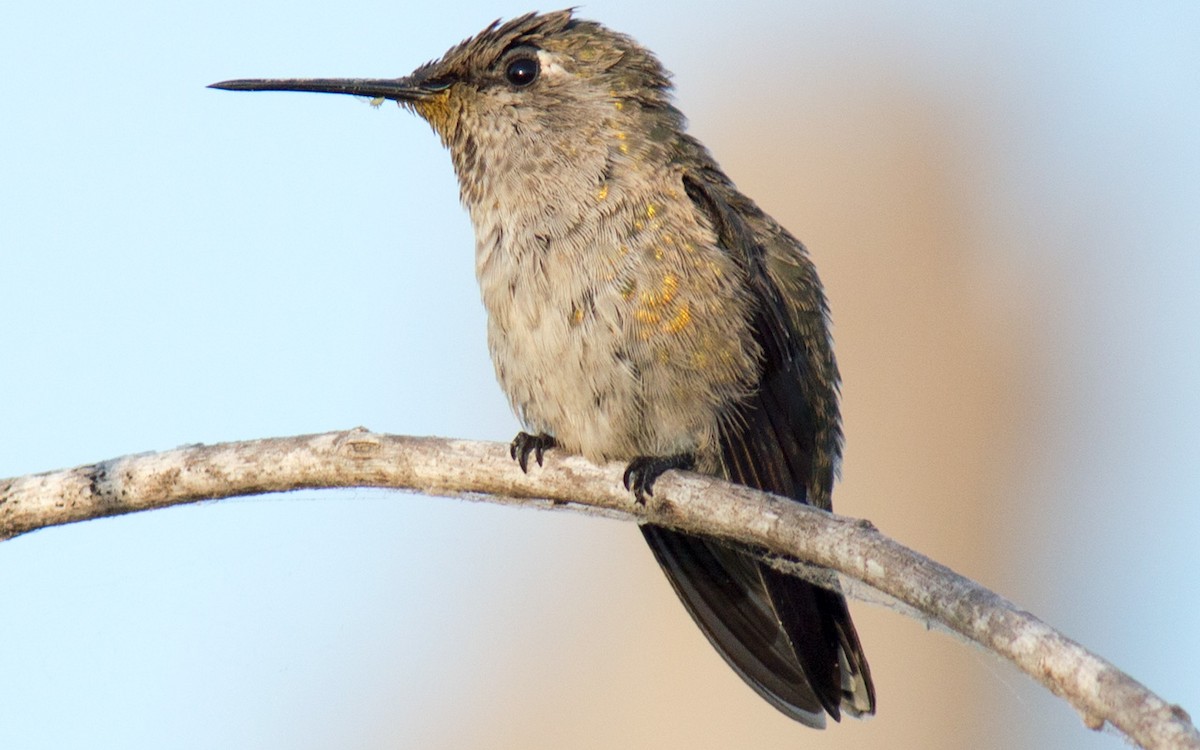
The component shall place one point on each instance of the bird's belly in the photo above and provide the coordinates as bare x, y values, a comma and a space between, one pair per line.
567, 374
616, 348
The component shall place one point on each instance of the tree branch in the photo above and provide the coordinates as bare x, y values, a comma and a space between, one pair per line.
358, 458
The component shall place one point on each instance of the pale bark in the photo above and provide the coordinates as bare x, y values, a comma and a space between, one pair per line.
1100, 692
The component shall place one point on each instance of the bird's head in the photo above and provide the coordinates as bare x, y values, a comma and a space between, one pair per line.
543, 94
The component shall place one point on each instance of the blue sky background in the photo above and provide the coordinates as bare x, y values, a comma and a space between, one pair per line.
1004, 201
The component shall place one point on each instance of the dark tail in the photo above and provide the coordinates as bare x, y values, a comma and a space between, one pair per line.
790, 640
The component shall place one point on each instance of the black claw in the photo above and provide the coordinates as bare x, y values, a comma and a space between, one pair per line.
644, 471
524, 444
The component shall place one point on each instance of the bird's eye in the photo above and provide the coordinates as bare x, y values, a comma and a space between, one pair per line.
522, 71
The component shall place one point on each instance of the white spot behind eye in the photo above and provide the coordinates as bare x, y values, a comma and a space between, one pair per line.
549, 63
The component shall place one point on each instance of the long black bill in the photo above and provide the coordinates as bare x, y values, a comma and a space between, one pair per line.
398, 89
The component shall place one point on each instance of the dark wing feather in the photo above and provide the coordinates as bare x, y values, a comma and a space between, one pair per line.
792, 641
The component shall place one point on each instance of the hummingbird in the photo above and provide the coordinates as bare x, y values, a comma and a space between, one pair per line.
641, 309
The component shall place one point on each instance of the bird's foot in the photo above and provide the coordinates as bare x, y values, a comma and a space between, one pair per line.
524, 444
643, 471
